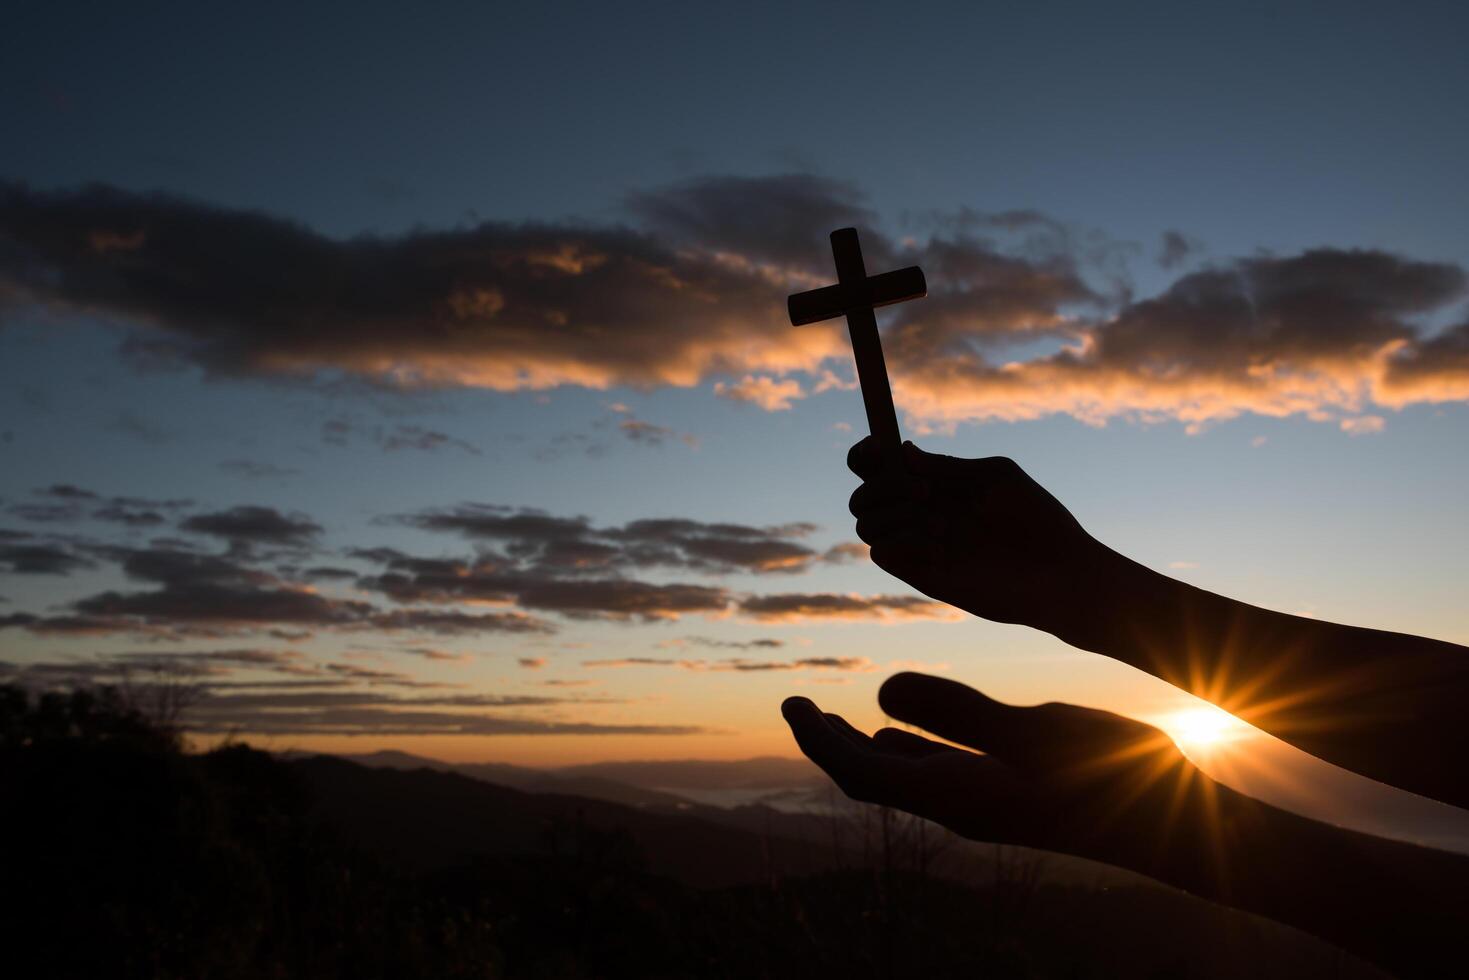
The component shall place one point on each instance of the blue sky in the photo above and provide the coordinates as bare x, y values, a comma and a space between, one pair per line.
1250, 131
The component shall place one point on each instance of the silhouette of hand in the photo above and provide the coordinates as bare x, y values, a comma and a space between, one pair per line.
1056, 776
978, 534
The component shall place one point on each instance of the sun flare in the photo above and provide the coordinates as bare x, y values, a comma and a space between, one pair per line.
1204, 727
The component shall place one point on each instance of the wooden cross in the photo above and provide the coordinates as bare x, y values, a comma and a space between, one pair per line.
856, 295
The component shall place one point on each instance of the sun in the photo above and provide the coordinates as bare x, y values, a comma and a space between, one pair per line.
1204, 727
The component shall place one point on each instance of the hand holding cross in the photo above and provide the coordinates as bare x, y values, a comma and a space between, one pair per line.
856, 295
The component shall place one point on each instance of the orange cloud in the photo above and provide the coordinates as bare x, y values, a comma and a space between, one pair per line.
695, 296
1362, 425
1326, 334
768, 393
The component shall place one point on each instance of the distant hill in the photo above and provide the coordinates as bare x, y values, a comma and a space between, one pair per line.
764, 772
792, 785
573, 783
424, 820
468, 833
826, 838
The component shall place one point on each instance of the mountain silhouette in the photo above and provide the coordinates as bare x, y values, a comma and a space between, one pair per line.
423, 820
566, 782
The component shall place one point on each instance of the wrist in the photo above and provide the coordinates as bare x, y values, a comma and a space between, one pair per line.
1107, 587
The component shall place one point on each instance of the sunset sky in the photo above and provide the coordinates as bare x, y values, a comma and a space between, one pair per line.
419, 377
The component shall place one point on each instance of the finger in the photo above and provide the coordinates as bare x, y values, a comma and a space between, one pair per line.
858, 770
1043, 735
885, 492
907, 744
819, 740
888, 523
903, 555
864, 458
963, 715
843, 728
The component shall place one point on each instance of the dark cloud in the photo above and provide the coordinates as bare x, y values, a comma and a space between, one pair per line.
433, 653
398, 721
293, 701
37, 558
622, 599
570, 567
374, 677
69, 504
835, 663
345, 699
719, 546
1176, 248
225, 604
215, 670
130, 516
1436, 370
177, 567
255, 470
801, 607
198, 594
330, 573
782, 220
545, 564
646, 433
530, 528
764, 643
342, 431
65, 491
497, 305
535, 538
250, 525
637, 662
574, 596
71, 625
452, 623
739, 664
417, 437
196, 666
60, 513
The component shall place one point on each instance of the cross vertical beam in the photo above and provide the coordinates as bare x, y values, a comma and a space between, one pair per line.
872, 370
855, 295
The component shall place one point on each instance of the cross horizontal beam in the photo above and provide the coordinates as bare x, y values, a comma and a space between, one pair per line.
874, 292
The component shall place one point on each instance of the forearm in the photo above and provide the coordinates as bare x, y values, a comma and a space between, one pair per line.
1402, 907
1381, 704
